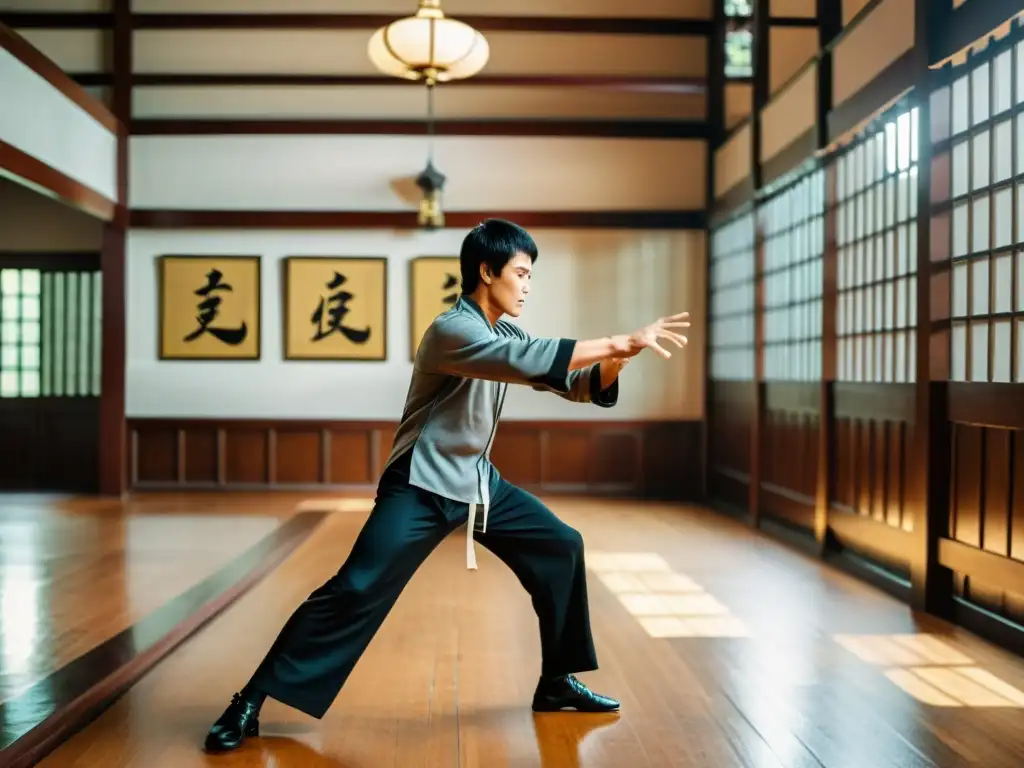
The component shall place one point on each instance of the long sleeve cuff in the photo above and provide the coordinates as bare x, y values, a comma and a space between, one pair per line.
605, 398
557, 376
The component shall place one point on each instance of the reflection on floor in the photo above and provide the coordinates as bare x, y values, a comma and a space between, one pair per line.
666, 603
932, 671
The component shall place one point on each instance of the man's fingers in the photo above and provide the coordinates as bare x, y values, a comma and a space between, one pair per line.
657, 348
675, 325
680, 316
678, 339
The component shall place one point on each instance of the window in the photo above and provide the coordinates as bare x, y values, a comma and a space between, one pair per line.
20, 332
981, 119
732, 300
739, 38
876, 233
794, 242
50, 333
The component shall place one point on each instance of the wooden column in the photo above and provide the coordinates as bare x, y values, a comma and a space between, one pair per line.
929, 480
715, 116
113, 456
829, 25
762, 64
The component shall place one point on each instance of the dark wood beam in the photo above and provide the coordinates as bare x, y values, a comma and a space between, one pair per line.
113, 479
686, 85
35, 60
24, 167
964, 25
367, 21
208, 219
56, 20
795, 21
651, 129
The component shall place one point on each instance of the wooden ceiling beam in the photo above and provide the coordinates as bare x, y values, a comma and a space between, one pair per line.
604, 128
282, 21
687, 85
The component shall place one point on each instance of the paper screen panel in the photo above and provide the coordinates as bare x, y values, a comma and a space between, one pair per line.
876, 238
793, 227
732, 300
982, 117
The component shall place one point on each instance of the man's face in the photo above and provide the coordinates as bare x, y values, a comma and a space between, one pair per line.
509, 289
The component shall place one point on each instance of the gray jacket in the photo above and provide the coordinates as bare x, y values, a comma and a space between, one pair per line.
462, 369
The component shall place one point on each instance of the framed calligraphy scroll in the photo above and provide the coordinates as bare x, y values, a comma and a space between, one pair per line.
209, 307
335, 308
435, 283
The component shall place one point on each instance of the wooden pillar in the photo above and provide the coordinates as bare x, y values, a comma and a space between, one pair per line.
929, 480
762, 66
715, 117
829, 25
113, 456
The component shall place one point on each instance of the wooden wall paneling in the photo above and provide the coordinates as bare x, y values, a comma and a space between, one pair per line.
789, 468
648, 459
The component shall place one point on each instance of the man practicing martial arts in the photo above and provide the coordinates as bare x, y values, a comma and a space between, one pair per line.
439, 477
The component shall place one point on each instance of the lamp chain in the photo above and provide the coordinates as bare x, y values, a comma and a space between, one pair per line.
430, 121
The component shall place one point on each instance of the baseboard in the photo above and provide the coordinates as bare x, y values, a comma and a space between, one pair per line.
867, 571
1002, 632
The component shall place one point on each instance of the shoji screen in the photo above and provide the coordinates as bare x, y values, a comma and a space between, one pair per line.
978, 297
733, 386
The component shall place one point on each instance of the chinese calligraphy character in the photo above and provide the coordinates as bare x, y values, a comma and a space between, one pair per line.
336, 314
450, 282
208, 312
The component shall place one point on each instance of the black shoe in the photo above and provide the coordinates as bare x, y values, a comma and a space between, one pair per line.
240, 720
566, 692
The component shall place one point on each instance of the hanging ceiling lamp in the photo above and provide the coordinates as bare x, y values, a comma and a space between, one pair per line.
428, 47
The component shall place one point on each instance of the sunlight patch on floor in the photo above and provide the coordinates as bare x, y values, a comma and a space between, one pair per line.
335, 505
932, 671
664, 602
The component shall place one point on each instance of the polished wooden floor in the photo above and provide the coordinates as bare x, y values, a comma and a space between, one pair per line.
75, 572
725, 648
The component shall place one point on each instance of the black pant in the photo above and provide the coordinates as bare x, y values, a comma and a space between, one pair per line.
322, 641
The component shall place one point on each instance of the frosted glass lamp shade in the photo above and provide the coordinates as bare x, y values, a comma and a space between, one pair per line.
428, 46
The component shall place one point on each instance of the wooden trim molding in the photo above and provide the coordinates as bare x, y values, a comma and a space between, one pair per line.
986, 567
866, 534
986, 404
36, 722
146, 218
17, 163
22, 50
647, 129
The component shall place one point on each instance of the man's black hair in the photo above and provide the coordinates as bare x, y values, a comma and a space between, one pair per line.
492, 242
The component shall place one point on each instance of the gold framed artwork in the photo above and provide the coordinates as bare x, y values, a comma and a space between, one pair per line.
335, 308
209, 307
435, 284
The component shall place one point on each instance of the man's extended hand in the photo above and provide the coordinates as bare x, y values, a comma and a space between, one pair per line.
648, 336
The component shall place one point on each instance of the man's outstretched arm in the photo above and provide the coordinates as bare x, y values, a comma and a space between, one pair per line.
462, 347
